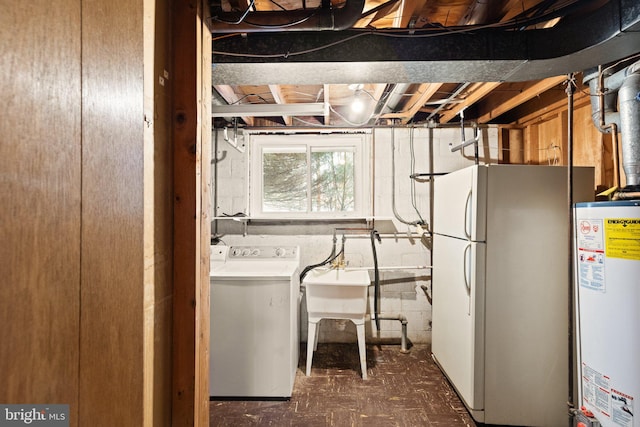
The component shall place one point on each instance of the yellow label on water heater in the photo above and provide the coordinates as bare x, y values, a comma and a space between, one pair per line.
622, 238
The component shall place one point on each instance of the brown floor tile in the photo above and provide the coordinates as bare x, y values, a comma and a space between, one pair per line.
402, 390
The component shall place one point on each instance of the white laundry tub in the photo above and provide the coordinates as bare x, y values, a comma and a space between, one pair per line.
339, 293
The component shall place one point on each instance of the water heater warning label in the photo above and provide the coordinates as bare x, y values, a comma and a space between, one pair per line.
621, 408
591, 254
605, 400
622, 238
596, 390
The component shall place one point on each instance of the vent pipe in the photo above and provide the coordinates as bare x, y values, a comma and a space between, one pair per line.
617, 107
320, 19
629, 101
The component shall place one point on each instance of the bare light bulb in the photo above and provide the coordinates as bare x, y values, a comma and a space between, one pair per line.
357, 106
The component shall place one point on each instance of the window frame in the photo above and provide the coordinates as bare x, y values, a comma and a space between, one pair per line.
359, 142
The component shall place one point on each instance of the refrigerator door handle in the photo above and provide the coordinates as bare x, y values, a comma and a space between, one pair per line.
467, 216
467, 273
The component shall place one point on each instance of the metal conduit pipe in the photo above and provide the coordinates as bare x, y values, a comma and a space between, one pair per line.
570, 90
393, 183
394, 98
320, 19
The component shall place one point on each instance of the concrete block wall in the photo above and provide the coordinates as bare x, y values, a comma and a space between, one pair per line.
404, 289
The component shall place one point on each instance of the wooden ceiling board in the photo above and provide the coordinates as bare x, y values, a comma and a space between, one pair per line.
444, 12
255, 94
303, 93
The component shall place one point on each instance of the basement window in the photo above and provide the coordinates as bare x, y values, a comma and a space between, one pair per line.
309, 176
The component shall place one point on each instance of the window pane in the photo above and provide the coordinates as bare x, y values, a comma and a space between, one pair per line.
332, 183
284, 180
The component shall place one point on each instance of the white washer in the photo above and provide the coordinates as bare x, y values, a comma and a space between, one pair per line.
255, 310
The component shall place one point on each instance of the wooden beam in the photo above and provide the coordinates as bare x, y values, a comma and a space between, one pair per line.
191, 99
231, 97
326, 91
279, 98
476, 92
524, 96
384, 11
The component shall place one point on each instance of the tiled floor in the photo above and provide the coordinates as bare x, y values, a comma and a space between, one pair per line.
402, 390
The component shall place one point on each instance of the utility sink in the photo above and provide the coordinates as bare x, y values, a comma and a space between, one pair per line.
336, 294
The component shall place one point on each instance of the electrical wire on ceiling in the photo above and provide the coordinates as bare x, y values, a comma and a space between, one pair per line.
243, 20
242, 17
285, 25
257, 95
349, 122
368, 121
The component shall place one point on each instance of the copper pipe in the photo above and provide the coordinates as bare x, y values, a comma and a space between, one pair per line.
616, 166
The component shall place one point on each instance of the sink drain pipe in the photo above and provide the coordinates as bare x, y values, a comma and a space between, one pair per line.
380, 316
404, 348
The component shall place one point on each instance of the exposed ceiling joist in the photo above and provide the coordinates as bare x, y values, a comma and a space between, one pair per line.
521, 98
476, 92
231, 98
398, 49
279, 97
326, 92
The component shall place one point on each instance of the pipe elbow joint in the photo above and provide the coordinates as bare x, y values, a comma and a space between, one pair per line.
345, 17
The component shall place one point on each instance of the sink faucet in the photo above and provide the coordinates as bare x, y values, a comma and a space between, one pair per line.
340, 262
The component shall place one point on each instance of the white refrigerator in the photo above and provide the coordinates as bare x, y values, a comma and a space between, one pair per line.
608, 301
500, 289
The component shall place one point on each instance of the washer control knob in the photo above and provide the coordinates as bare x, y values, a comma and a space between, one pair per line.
280, 252
246, 252
255, 252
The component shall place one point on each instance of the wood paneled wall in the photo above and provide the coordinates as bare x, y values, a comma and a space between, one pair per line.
545, 139
86, 172
111, 365
40, 212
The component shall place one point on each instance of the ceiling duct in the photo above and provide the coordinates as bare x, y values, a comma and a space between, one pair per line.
324, 18
599, 36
